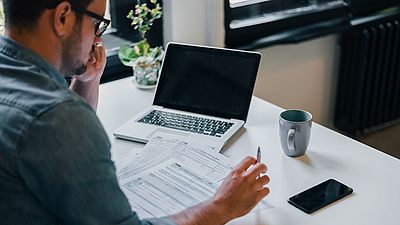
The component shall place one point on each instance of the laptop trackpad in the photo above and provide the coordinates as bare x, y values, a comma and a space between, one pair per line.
167, 131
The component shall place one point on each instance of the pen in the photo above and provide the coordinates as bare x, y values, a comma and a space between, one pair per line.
258, 155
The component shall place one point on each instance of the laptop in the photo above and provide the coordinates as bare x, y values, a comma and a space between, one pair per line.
203, 93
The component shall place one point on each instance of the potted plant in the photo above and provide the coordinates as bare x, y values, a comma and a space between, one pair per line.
144, 60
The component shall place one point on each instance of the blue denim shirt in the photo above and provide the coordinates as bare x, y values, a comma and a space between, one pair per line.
55, 162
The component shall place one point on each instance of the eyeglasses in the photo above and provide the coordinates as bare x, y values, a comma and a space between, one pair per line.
102, 23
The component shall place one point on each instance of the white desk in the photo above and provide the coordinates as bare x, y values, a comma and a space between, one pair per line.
374, 176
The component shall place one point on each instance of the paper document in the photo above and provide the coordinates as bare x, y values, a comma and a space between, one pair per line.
171, 175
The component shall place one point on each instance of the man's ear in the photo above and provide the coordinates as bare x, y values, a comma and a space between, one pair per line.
63, 19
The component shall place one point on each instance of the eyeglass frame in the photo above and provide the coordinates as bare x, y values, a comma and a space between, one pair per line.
88, 13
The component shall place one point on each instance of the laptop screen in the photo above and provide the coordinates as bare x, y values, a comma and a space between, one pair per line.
211, 81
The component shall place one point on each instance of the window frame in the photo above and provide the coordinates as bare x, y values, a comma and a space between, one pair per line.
304, 27
289, 29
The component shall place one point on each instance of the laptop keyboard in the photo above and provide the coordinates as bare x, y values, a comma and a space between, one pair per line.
186, 123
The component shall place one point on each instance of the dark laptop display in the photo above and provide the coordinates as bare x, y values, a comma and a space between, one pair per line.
211, 81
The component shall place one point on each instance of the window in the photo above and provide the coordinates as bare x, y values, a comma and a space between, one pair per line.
1, 18
249, 20
122, 33
251, 24
252, 12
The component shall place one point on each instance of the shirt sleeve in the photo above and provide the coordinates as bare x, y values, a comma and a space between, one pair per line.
65, 161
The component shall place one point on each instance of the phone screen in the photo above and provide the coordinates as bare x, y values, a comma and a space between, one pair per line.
320, 195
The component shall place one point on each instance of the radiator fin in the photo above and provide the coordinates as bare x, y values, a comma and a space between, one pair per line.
368, 94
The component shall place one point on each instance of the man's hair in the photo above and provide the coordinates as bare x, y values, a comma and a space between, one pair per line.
26, 13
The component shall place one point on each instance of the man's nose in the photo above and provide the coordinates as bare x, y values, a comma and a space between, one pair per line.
97, 41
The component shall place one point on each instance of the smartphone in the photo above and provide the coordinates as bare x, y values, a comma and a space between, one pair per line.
320, 196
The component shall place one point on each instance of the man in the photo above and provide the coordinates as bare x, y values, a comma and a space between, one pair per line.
55, 164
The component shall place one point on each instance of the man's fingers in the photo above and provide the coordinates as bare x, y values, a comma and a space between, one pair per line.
245, 163
97, 52
92, 58
262, 193
101, 56
97, 57
102, 51
256, 170
261, 182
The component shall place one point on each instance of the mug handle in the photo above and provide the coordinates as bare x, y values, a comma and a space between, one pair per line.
290, 140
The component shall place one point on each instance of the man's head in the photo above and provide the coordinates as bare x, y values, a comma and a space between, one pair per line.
69, 27
26, 13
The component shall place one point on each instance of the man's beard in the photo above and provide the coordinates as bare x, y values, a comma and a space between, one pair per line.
71, 53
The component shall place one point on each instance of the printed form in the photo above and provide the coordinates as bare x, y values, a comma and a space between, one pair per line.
171, 175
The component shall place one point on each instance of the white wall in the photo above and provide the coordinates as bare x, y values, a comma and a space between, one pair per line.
194, 21
291, 76
301, 76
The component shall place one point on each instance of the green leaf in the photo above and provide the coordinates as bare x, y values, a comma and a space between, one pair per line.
142, 18
127, 55
144, 47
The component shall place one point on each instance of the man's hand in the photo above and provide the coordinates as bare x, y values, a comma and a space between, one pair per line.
242, 189
240, 192
87, 84
95, 65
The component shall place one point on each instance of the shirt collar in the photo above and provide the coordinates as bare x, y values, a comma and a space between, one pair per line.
17, 51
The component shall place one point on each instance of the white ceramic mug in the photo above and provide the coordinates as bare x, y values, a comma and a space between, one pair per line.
294, 131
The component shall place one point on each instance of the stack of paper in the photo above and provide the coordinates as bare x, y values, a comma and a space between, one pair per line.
170, 175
